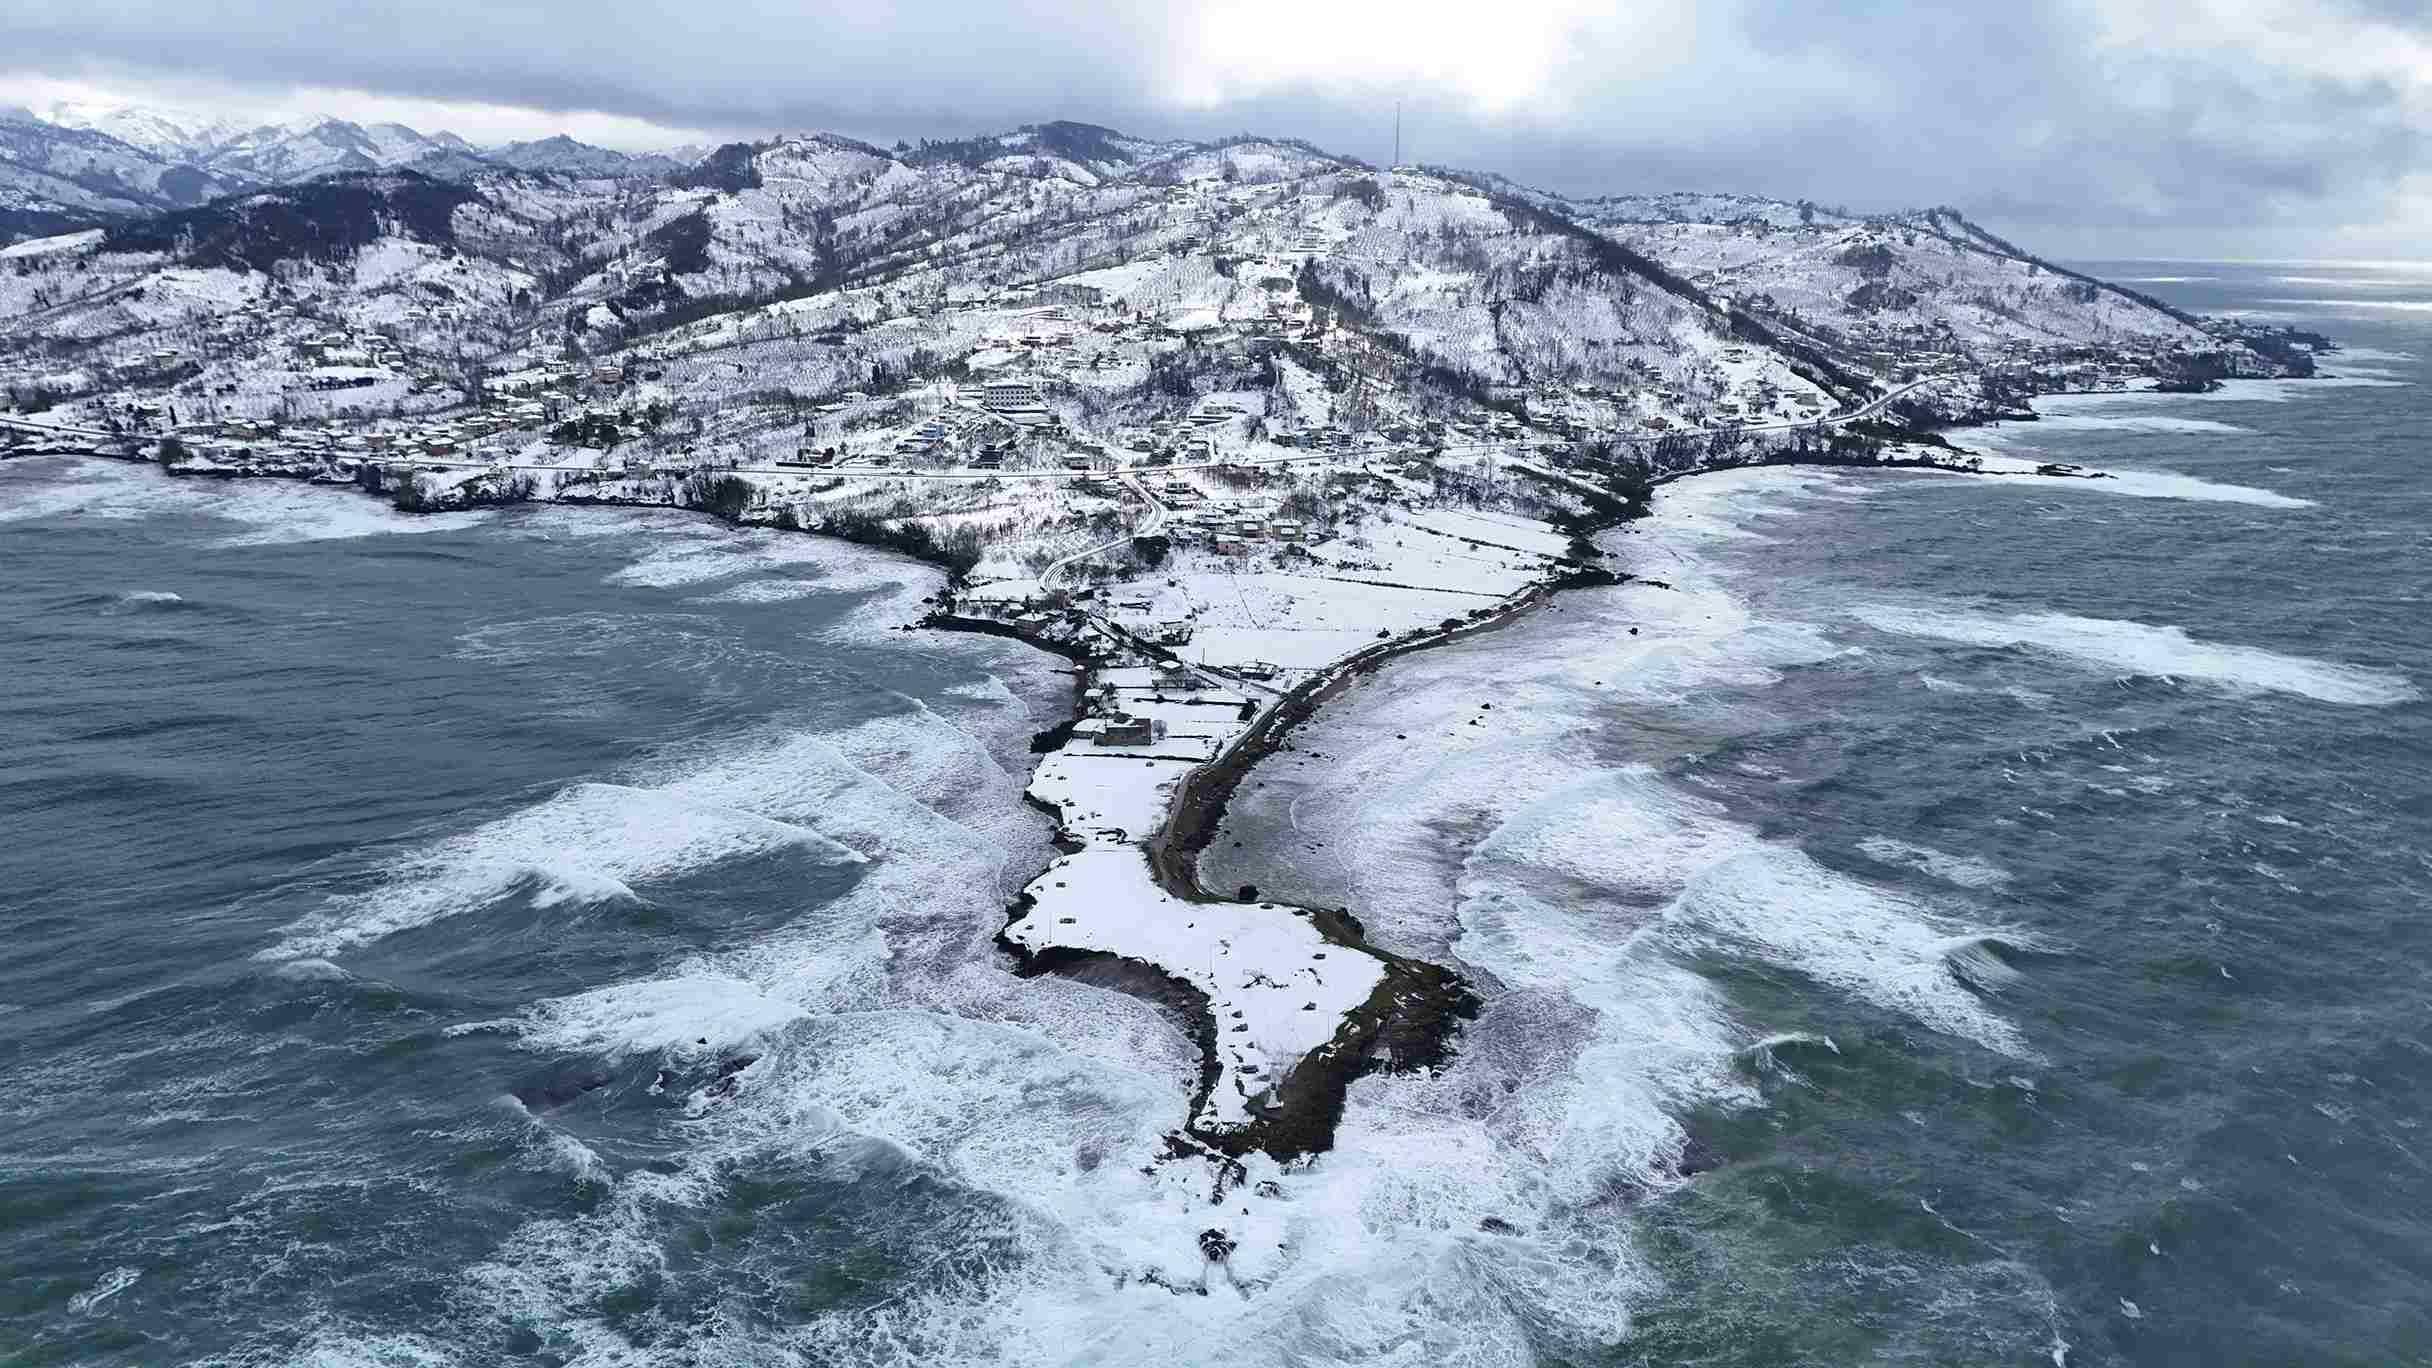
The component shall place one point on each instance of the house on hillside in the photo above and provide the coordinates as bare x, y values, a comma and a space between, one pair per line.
1122, 729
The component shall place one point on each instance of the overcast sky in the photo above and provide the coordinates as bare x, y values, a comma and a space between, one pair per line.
2272, 126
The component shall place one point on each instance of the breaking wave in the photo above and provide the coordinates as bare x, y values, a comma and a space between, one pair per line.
588, 843
2135, 422
2165, 652
269, 512
1962, 870
1766, 1057
117, 1280
768, 591
2396, 305
1982, 959
2017, 472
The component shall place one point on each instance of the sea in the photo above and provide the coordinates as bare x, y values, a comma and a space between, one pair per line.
1919, 918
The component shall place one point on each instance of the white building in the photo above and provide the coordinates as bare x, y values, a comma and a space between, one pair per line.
1011, 395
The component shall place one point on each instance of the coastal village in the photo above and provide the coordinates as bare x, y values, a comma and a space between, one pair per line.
1259, 420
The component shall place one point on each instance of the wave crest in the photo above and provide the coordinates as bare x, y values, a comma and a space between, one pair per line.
2140, 649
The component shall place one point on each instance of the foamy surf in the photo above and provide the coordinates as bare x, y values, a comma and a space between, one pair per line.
767, 591
587, 843
700, 1012
2351, 302
1965, 871
893, 1051
1425, 1227
1698, 879
2146, 650
2135, 423
117, 1280
2020, 473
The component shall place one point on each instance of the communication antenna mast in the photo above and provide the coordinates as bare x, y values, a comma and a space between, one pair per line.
1397, 132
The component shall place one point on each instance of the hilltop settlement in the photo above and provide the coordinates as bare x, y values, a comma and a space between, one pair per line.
1226, 424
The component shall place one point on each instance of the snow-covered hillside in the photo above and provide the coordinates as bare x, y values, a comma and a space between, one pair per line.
816, 265
1928, 282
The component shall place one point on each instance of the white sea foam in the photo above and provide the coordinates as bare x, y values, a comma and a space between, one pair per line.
768, 591
698, 559
924, 806
2097, 413
271, 512
143, 596
698, 552
697, 1012
1765, 1055
112, 1283
2386, 282
332, 1347
2015, 472
1468, 1214
2395, 305
1726, 886
309, 515
2230, 392
312, 971
1963, 870
2165, 484
2129, 422
590, 842
1561, 897
2371, 363
1044, 1098
1361, 1258
2147, 650
992, 689
63, 487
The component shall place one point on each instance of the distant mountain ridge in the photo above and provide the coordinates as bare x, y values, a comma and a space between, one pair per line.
75, 165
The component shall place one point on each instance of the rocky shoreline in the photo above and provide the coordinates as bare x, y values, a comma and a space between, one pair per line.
1409, 1020
1412, 1018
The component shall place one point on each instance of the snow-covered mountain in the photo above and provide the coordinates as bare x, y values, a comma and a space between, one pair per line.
256, 153
174, 136
814, 266
53, 177
76, 164
274, 154
564, 156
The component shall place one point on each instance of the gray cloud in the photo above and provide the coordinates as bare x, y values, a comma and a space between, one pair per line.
2160, 113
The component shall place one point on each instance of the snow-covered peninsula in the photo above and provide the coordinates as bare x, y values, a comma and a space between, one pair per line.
1225, 424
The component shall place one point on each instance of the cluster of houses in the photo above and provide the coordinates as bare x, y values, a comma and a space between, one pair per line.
344, 348
520, 401
1227, 527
